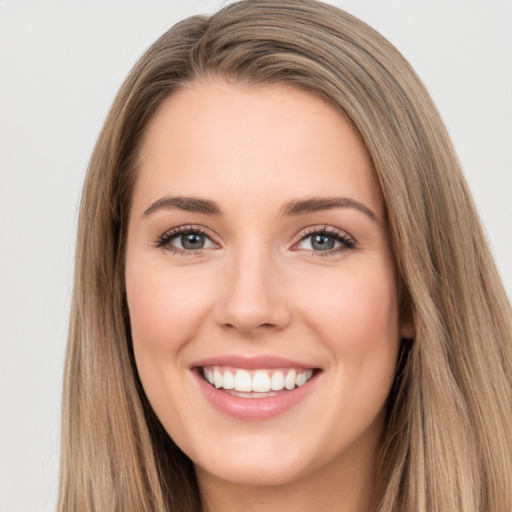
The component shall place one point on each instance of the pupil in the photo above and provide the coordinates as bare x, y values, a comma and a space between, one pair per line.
192, 241
323, 242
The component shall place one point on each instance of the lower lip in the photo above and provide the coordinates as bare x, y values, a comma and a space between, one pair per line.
254, 408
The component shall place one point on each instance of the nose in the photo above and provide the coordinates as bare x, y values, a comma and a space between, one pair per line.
254, 298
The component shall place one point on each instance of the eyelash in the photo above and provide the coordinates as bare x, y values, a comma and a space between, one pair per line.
347, 243
164, 241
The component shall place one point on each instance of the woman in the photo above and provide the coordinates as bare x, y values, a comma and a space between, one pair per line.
283, 296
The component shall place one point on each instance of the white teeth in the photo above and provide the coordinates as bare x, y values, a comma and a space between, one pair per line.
217, 378
243, 381
303, 377
289, 381
229, 381
257, 381
277, 381
261, 382
299, 380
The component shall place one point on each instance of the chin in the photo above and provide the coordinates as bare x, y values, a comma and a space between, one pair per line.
261, 461
254, 473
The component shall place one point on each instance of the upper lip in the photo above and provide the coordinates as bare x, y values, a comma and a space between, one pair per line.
251, 362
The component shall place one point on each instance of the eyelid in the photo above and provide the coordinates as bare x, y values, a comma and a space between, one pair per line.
348, 242
163, 240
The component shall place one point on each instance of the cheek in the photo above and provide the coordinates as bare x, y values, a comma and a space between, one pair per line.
358, 318
358, 321
164, 309
360, 293
166, 312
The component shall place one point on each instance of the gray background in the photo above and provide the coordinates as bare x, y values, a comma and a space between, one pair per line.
61, 63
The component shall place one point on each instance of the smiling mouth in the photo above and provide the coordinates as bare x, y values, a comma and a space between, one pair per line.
258, 383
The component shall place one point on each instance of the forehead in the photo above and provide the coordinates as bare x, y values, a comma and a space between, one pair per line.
253, 143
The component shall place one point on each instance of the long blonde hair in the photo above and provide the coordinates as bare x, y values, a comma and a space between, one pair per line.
448, 440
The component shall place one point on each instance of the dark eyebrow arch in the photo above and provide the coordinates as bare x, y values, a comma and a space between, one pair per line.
188, 204
293, 208
315, 204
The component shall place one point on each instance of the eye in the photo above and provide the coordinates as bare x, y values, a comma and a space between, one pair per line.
325, 241
185, 240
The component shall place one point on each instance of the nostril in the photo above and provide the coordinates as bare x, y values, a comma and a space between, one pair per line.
251, 306
250, 327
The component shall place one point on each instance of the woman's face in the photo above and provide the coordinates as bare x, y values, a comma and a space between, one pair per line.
258, 257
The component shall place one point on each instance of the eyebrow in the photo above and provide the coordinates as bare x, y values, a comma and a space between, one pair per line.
188, 204
293, 208
315, 204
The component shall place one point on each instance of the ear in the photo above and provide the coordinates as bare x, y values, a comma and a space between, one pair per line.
407, 328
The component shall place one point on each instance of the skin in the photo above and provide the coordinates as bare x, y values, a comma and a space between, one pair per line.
259, 287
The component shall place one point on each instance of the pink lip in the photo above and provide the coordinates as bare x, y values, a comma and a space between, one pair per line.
252, 408
251, 362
